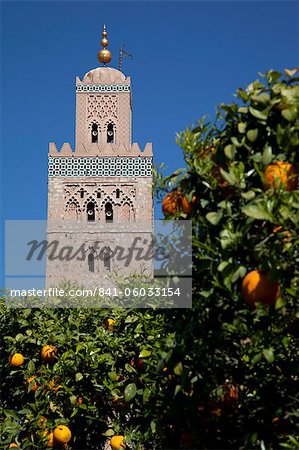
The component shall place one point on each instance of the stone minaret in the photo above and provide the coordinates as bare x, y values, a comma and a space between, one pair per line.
100, 193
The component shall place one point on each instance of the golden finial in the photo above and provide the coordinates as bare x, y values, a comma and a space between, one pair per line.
104, 55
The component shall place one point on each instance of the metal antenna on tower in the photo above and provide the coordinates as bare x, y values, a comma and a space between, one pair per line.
122, 53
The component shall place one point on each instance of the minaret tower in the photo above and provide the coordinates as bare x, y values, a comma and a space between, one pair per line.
100, 193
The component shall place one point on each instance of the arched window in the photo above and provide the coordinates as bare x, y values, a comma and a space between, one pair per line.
90, 212
94, 133
110, 134
106, 258
126, 212
107, 262
90, 262
109, 212
72, 212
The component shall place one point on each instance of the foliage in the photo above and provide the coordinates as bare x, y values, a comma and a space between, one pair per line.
222, 375
238, 380
93, 364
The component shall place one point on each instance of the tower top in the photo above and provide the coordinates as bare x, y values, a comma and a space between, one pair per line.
104, 55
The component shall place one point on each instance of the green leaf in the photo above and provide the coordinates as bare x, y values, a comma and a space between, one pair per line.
252, 134
286, 340
73, 399
267, 155
257, 211
178, 370
256, 358
109, 432
262, 115
153, 426
222, 266
249, 195
239, 273
79, 376
273, 76
11, 413
242, 127
230, 151
19, 337
145, 353
112, 376
290, 114
178, 388
229, 177
130, 392
261, 98
31, 366
213, 217
129, 368
269, 355
243, 110
226, 238
146, 395
236, 142
280, 303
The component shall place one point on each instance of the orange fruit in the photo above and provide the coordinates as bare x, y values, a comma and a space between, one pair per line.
79, 400
53, 386
109, 324
226, 188
231, 394
13, 445
166, 372
222, 183
286, 233
257, 287
34, 386
215, 408
62, 434
42, 421
187, 440
216, 411
16, 360
276, 419
281, 173
118, 402
50, 437
48, 353
175, 202
139, 363
117, 443
205, 152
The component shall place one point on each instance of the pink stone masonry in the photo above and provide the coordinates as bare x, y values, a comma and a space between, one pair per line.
100, 191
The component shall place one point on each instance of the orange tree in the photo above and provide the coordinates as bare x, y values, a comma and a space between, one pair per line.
235, 354
90, 370
223, 374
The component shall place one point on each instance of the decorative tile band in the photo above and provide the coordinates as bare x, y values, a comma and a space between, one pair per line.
103, 88
99, 167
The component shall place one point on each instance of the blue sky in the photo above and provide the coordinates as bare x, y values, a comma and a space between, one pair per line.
188, 57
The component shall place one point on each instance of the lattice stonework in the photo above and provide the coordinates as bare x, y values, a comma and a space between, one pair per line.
102, 88
99, 167
101, 106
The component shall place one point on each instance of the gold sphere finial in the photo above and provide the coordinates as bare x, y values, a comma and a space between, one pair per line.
104, 55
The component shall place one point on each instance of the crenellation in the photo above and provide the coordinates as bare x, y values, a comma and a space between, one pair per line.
96, 150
